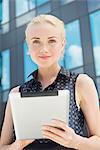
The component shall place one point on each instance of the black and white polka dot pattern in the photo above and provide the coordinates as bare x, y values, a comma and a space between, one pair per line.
64, 80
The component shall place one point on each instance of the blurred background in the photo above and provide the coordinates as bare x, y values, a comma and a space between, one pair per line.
82, 51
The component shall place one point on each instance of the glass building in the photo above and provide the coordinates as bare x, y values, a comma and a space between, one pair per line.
82, 50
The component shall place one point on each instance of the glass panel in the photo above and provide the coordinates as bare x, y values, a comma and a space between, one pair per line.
5, 28
95, 29
5, 81
0, 69
0, 11
40, 2
73, 50
21, 7
5, 95
32, 4
25, 18
5, 11
98, 86
29, 65
61, 62
78, 70
63, 2
0, 65
44, 9
93, 5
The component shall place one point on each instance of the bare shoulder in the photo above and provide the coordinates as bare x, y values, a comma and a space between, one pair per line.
15, 89
86, 88
84, 81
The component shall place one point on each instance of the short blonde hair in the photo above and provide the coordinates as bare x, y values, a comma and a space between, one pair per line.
44, 18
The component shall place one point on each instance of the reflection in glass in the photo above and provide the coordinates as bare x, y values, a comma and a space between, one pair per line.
21, 20
21, 7
95, 29
0, 11
73, 50
29, 65
0, 69
98, 86
93, 5
40, 2
63, 2
44, 9
5, 81
32, 4
0, 65
5, 11
5, 95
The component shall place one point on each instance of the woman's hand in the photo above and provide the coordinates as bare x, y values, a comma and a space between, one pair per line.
60, 133
20, 144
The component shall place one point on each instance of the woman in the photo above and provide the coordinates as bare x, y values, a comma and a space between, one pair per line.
45, 37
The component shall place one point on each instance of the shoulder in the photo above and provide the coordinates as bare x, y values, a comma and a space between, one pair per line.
15, 89
83, 80
86, 88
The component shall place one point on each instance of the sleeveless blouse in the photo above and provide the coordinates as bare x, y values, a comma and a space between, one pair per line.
65, 80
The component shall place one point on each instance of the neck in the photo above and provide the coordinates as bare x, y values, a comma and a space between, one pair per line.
48, 73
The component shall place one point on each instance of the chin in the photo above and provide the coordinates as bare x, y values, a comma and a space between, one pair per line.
44, 65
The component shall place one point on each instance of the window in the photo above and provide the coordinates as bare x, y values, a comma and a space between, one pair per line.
46, 8
95, 29
29, 65
0, 69
5, 81
21, 20
93, 5
98, 86
21, 7
73, 50
5, 11
40, 2
32, 4
63, 2
0, 11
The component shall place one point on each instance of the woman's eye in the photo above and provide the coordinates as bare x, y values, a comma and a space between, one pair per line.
52, 41
36, 42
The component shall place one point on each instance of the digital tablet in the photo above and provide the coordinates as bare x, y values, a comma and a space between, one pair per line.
32, 110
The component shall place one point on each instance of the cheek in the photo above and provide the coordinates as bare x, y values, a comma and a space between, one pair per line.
33, 52
58, 53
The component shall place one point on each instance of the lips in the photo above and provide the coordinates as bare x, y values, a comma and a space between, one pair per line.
44, 57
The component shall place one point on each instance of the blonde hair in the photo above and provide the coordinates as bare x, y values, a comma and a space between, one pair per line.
44, 18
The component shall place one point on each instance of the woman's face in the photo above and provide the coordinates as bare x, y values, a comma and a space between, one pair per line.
45, 44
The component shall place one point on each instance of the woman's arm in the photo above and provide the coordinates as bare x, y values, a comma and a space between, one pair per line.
6, 138
89, 104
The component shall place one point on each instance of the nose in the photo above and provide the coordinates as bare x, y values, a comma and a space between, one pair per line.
44, 49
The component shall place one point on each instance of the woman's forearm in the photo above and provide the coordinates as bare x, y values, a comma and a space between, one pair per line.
92, 143
13, 146
17, 145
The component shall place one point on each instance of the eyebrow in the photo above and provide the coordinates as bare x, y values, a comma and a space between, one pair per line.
39, 38
35, 38
52, 37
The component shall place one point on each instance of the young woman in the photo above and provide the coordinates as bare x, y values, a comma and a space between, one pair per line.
45, 37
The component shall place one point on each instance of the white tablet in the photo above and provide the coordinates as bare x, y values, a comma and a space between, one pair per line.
31, 110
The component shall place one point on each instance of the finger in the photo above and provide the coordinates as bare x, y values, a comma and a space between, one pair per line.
60, 124
54, 130
54, 137
57, 123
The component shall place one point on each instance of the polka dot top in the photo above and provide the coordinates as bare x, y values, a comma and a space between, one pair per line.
65, 80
